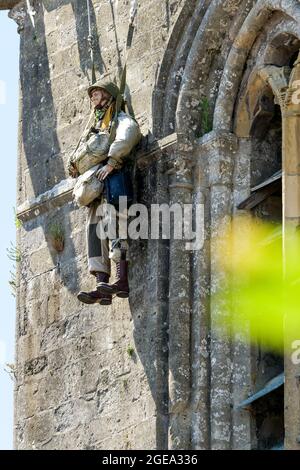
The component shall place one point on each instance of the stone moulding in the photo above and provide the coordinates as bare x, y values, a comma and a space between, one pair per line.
57, 196
144, 158
8, 4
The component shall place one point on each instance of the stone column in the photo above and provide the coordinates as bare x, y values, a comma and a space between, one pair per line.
180, 187
221, 149
291, 221
200, 323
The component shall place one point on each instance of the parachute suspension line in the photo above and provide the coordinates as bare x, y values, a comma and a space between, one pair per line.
132, 15
123, 75
133, 10
120, 98
84, 134
91, 41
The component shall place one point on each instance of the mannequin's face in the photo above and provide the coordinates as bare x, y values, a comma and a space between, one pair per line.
99, 97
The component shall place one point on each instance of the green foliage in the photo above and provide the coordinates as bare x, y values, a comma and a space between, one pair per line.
57, 235
130, 351
259, 302
206, 121
13, 253
18, 222
13, 283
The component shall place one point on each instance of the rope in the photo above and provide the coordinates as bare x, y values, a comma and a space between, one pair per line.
133, 11
132, 15
91, 41
92, 116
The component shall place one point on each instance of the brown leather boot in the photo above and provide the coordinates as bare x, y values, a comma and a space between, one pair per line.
120, 288
96, 297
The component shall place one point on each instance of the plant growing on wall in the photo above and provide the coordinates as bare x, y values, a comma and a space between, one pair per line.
130, 351
13, 283
57, 236
206, 121
18, 222
13, 253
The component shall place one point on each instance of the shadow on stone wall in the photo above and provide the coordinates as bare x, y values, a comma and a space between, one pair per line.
82, 30
148, 302
43, 156
39, 122
116, 35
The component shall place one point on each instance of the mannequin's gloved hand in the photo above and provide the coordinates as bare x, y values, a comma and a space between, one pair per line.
104, 172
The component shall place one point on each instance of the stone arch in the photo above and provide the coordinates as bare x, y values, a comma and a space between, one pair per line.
281, 49
275, 59
260, 15
268, 81
203, 61
229, 52
171, 68
261, 64
193, 62
206, 62
200, 70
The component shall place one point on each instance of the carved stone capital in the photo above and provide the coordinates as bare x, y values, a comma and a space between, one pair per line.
18, 13
180, 171
293, 93
180, 166
278, 79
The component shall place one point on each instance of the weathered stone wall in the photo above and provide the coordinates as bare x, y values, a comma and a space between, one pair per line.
77, 385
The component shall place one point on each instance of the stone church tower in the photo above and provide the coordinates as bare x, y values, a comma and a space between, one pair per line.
211, 83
